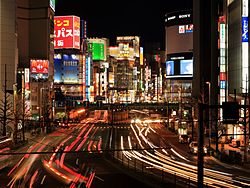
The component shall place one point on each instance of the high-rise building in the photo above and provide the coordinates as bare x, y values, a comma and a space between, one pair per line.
69, 64
8, 62
126, 68
221, 60
98, 48
26, 55
8, 44
35, 32
179, 59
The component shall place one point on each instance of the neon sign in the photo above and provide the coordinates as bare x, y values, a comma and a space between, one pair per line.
244, 29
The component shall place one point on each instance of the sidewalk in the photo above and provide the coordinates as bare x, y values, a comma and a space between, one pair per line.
229, 155
234, 152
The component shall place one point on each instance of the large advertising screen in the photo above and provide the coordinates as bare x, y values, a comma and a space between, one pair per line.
70, 70
66, 68
169, 68
66, 32
97, 51
186, 66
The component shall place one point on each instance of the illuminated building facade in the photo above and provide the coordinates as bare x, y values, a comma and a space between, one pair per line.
35, 56
69, 62
23, 39
98, 48
234, 58
127, 69
179, 55
227, 72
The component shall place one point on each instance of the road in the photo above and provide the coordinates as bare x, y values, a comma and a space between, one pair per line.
89, 154
65, 158
172, 158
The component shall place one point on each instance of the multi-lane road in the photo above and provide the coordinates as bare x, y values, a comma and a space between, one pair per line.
92, 155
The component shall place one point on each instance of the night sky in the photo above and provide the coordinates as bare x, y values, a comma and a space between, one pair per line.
111, 18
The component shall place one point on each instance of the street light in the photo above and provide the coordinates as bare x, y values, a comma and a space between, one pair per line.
209, 118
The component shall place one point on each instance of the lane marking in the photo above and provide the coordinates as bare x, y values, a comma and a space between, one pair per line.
43, 179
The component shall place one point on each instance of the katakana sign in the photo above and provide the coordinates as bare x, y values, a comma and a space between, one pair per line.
66, 32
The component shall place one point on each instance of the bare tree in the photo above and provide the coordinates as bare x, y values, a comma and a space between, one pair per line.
6, 111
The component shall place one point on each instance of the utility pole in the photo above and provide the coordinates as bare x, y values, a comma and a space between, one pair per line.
5, 103
245, 125
23, 96
209, 116
200, 146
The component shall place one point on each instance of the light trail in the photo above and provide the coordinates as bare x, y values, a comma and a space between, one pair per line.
162, 162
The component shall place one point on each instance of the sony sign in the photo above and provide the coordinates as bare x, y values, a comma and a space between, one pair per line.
185, 16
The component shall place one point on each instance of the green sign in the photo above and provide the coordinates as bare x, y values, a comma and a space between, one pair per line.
97, 50
53, 4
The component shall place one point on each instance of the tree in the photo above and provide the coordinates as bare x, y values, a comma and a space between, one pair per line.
21, 114
6, 109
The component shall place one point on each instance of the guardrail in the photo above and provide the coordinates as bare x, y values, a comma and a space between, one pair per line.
158, 177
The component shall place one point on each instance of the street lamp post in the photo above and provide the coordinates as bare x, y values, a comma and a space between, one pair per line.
23, 105
209, 112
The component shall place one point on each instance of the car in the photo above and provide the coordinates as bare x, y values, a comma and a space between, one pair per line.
63, 125
183, 138
193, 148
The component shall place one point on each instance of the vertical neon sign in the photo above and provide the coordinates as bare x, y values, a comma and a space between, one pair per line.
84, 77
222, 61
244, 26
87, 78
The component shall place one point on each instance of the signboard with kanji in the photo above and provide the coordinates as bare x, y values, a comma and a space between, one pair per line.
66, 32
39, 66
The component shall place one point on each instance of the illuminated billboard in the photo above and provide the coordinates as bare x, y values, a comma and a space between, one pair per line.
97, 50
186, 28
132, 41
141, 55
244, 29
39, 66
189, 28
66, 32
70, 72
186, 66
57, 68
170, 68
26, 75
66, 68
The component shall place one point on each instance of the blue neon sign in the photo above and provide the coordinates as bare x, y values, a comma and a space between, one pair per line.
244, 29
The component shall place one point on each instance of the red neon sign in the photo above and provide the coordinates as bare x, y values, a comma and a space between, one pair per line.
66, 32
39, 66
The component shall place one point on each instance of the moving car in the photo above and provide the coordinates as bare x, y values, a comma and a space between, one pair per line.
193, 148
183, 138
63, 125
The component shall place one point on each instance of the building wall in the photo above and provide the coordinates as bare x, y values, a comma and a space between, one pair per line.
234, 47
8, 43
35, 31
177, 42
179, 46
34, 21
